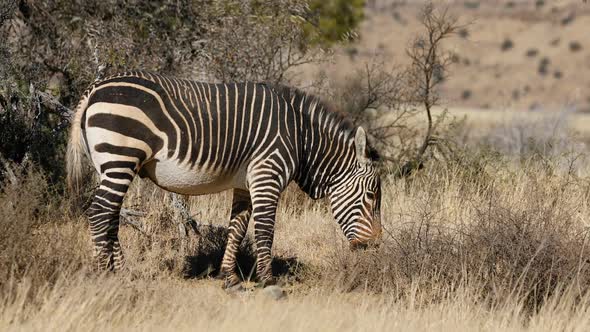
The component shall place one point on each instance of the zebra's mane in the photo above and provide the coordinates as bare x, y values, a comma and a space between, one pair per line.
326, 109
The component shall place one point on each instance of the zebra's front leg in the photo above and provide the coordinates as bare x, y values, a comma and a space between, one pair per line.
103, 216
238, 225
264, 213
265, 194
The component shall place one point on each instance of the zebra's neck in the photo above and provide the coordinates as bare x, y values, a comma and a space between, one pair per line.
327, 148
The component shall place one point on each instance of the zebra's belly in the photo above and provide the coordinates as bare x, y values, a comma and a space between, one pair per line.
196, 181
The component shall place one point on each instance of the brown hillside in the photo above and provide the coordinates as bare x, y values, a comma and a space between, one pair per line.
512, 54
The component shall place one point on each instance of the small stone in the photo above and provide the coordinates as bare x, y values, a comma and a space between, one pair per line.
275, 292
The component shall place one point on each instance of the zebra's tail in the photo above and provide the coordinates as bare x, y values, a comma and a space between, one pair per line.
76, 147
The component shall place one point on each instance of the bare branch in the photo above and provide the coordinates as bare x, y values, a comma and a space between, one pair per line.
126, 213
428, 71
137, 225
181, 207
55, 104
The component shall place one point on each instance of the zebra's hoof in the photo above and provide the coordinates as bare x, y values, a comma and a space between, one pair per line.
272, 281
231, 282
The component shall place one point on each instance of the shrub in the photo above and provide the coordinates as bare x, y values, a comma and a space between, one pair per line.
575, 46
46, 63
543, 68
37, 240
466, 94
32, 132
515, 94
335, 19
507, 44
568, 19
532, 52
463, 33
471, 4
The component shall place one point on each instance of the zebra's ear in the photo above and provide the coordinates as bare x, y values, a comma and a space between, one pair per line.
360, 144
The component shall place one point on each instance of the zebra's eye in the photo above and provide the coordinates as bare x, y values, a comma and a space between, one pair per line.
371, 195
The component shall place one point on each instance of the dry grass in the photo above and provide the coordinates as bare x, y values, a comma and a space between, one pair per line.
483, 241
117, 303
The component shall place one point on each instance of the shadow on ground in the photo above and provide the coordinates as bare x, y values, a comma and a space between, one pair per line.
206, 260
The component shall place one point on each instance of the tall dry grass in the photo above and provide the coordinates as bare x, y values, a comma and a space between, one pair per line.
482, 241
117, 303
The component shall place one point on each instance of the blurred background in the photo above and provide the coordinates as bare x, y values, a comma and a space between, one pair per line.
506, 55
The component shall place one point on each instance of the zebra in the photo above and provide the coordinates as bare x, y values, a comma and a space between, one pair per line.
196, 138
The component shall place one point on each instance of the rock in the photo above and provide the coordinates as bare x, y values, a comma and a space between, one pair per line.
275, 292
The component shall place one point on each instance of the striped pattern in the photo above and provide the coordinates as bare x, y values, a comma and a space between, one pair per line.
197, 138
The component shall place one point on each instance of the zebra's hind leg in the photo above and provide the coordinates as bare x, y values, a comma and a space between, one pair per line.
238, 225
103, 216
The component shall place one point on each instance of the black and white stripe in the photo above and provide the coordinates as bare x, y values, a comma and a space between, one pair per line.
197, 138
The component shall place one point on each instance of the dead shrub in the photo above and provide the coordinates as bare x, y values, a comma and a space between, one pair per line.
37, 240
395, 104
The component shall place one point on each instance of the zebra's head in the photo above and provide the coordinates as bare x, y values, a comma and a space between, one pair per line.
356, 198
